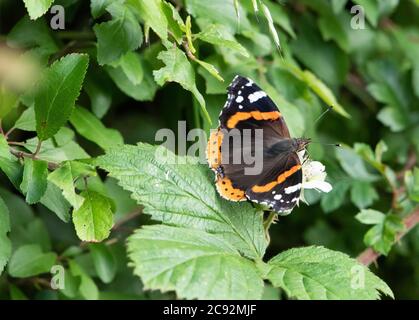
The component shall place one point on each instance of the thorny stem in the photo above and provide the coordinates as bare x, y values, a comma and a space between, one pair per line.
369, 256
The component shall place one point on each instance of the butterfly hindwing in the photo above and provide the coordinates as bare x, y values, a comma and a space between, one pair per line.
280, 187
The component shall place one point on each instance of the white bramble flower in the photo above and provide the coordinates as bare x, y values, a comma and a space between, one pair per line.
314, 175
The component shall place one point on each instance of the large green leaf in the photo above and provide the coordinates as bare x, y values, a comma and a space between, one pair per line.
117, 36
34, 183
5, 244
37, 8
320, 273
29, 260
94, 219
57, 92
193, 263
93, 129
183, 194
178, 69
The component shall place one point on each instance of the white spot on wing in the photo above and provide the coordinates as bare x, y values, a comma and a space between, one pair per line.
292, 188
240, 106
277, 197
255, 96
239, 99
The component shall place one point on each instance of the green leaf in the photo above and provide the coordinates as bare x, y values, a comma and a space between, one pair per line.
59, 148
334, 199
37, 8
279, 16
271, 25
54, 200
193, 263
371, 9
118, 36
382, 235
94, 219
99, 94
26, 121
132, 67
8, 101
143, 91
174, 21
182, 194
353, 165
316, 273
57, 93
218, 11
8, 164
34, 183
178, 69
104, 261
370, 216
363, 194
93, 129
5, 244
210, 68
219, 35
64, 178
16, 293
98, 7
317, 86
151, 12
29, 260
32, 34
87, 288
393, 119
188, 32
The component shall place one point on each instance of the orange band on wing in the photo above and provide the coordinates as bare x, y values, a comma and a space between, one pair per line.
257, 115
281, 178
226, 190
214, 149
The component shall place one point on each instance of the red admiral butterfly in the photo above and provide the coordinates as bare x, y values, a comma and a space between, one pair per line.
278, 185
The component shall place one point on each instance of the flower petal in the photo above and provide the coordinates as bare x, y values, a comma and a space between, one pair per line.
318, 185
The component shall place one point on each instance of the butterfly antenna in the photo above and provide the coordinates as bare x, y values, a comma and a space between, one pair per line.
323, 114
328, 144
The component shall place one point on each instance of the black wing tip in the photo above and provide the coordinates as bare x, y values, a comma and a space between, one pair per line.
238, 82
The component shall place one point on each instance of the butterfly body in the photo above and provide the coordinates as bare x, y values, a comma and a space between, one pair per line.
252, 127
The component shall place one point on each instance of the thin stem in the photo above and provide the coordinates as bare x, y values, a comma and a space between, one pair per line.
1, 128
38, 148
7, 134
267, 224
21, 154
127, 218
76, 35
369, 255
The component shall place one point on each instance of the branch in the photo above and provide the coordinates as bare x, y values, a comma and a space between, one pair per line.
21, 154
369, 256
